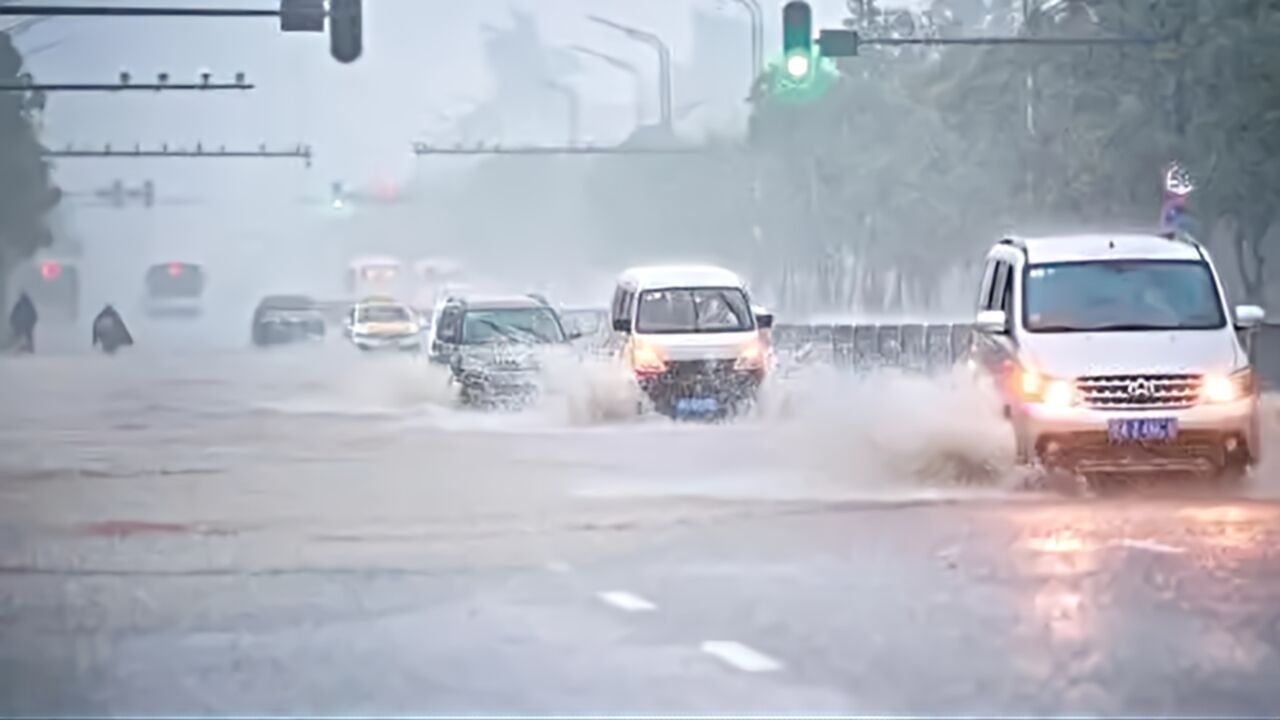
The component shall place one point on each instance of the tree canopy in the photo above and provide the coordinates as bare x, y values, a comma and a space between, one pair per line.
26, 191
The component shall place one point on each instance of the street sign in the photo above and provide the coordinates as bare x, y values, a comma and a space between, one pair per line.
302, 16
838, 43
1177, 180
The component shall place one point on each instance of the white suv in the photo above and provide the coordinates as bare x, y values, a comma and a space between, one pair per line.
1116, 353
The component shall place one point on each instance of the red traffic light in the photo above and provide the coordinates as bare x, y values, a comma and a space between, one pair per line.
51, 271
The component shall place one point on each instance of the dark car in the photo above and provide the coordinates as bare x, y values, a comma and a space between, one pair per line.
54, 287
497, 347
175, 290
283, 319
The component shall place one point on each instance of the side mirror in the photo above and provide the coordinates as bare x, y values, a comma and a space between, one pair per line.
622, 325
992, 322
1249, 316
764, 321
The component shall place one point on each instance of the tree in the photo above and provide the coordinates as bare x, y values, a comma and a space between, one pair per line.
930, 153
26, 192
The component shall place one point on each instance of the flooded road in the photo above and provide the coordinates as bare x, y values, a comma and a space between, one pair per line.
312, 531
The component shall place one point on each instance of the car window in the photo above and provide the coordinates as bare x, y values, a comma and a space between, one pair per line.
1121, 295
383, 313
449, 325
533, 325
694, 310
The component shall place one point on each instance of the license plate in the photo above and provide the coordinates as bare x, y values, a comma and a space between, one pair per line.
696, 406
1129, 430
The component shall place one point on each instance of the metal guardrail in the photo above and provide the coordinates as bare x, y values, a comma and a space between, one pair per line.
919, 347
933, 347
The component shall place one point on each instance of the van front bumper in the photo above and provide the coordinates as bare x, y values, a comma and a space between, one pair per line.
699, 380
1208, 437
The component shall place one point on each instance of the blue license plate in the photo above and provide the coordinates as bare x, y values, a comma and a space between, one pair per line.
1136, 430
696, 406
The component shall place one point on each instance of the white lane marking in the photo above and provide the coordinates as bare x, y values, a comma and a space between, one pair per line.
1151, 545
740, 656
627, 601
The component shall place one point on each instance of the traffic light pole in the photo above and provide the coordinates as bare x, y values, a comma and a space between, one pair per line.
422, 149
302, 152
97, 11
117, 87
345, 18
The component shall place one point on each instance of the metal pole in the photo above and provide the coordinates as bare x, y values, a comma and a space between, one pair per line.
664, 80
757, 35
83, 11
115, 87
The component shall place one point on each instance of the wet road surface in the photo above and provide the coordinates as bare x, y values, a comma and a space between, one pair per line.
319, 533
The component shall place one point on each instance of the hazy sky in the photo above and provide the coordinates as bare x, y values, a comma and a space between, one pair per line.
422, 57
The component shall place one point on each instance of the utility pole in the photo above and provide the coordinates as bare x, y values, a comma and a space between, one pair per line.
757, 36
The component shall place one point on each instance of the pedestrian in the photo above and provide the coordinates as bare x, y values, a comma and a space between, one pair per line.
22, 323
109, 331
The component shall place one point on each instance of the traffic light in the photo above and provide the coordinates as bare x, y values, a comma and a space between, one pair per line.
797, 39
346, 31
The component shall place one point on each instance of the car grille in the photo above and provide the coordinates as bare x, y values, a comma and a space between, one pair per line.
1139, 391
700, 369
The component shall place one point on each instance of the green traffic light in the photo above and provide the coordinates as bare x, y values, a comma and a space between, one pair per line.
798, 65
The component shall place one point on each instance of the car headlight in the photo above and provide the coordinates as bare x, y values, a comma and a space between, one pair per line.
1227, 388
750, 356
1052, 392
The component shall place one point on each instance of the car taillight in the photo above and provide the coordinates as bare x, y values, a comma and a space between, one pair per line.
51, 271
175, 269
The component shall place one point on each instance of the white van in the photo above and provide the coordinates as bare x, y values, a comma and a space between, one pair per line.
691, 338
1117, 353
375, 275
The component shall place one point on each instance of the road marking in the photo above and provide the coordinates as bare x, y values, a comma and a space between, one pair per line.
626, 601
740, 656
1150, 545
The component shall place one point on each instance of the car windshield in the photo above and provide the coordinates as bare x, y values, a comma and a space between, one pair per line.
1121, 295
521, 325
384, 314
694, 310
